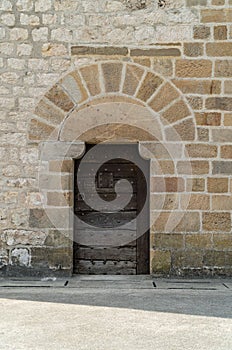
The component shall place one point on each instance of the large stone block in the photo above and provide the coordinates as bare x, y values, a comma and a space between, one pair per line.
218, 49
216, 16
171, 184
132, 79
222, 135
103, 50
38, 219
196, 185
176, 112
161, 262
187, 259
166, 94
226, 151
202, 134
201, 151
223, 68
164, 201
112, 76
59, 238
14, 237
61, 150
51, 258
59, 199
222, 242
214, 259
220, 32
193, 49
201, 32
180, 222
61, 166
220, 103
195, 202
74, 85
200, 87
216, 222
163, 66
222, 202
195, 167
91, 77
170, 52
208, 118
220, 167
60, 98
217, 184
199, 241
184, 131
149, 86
168, 241
46, 110
193, 68
40, 131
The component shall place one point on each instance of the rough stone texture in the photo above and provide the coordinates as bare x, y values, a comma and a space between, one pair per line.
171, 184
112, 76
91, 77
60, 56
155, 52
217, 185
111, 51
177, 111
161, 262
73, 84
193, 49
132, 78
223, 68
193, 68
60, 98
216, 222
219, 103
195, 202
149, 86
220, 32
201, 32
200, 87
39, 131
164, 96
208, 119
201, 151
185, 130
218, 49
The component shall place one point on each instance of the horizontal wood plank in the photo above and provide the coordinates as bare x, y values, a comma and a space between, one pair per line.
81, 205
110, 238
102, 267
100, 253
119, 220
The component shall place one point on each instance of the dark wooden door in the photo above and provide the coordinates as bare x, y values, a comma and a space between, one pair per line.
106, 239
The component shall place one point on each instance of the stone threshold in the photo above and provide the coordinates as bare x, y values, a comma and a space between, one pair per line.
126, 51
119, 282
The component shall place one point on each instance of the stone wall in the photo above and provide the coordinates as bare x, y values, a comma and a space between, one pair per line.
172, 58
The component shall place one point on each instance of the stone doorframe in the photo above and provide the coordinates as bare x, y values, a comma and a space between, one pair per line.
108, 101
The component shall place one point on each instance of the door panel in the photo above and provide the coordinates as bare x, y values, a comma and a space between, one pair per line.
107, 241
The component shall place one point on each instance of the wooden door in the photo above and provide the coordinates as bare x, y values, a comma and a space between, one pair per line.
106, 241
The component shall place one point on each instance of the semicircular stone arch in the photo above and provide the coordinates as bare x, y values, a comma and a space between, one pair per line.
107, 101
112, 82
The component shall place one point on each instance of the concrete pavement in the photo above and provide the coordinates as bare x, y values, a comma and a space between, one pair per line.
105, 312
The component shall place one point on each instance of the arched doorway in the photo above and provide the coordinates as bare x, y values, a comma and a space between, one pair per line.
135, 106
